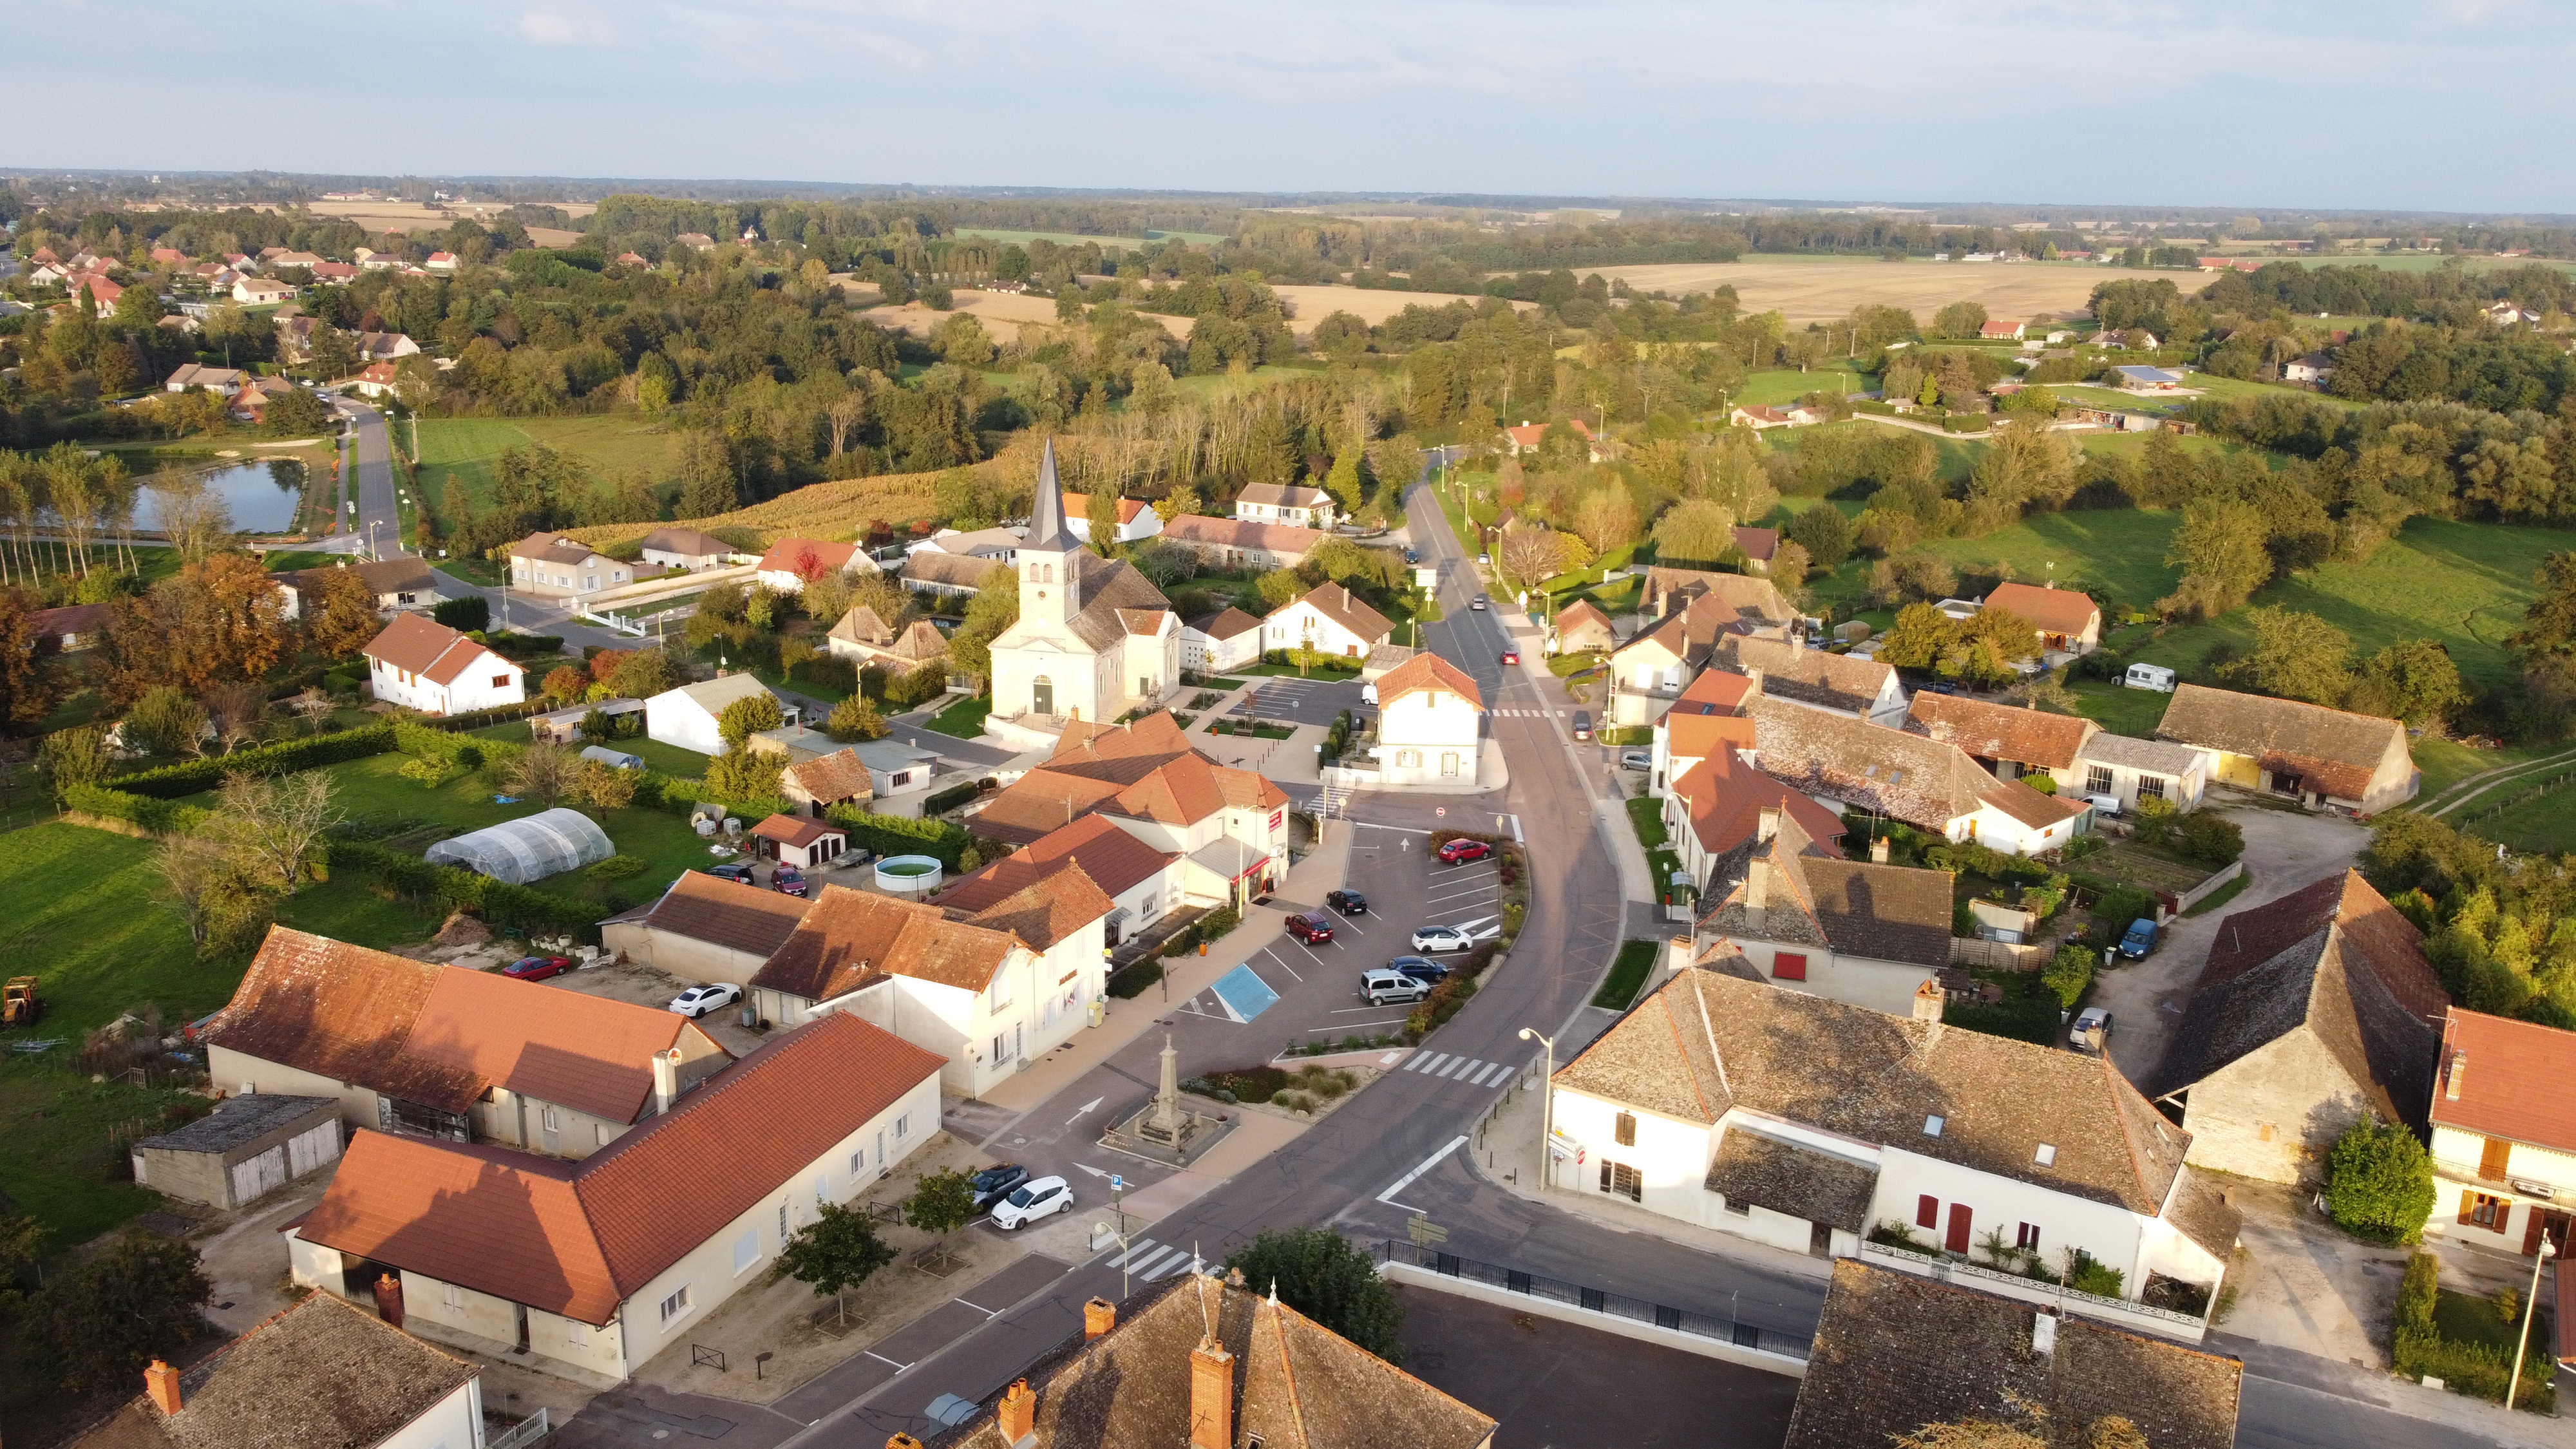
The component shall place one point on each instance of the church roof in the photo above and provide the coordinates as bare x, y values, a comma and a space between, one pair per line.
1047, 531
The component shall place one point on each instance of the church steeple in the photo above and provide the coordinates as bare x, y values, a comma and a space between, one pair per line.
1047, 531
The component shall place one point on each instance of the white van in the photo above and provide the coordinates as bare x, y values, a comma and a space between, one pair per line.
2150, 676
1368, 695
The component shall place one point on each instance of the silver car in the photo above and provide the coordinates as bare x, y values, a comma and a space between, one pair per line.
1379, 986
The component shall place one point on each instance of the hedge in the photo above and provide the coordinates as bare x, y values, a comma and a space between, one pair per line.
895, 835
2417, 1348
500, 905
169, 782
162, 817
1967, 422
477, 719
950, 798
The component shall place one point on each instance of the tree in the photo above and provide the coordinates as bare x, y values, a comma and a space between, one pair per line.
29, 688
190, 869
2045, 690
295, 413
1322, 1275
855, 719
994, 608
2413, 680
708, 485
193, 516
748, 716
743, 774
567, 684
605, 787
941, 1203
543, 773
1607, 518
340, 613
274, 822
1694, 532
2068, 973
2295, 656
641, 674
2379, 1182
1959, 320
1529, 553
1788, 569
835, 1253
165, 721
104, 1317
1921, 636
1100, 513
1279, 588
1824, 533
2220, 551
471, 614
72, 757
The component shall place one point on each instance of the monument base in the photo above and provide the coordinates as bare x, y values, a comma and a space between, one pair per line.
1138, 1137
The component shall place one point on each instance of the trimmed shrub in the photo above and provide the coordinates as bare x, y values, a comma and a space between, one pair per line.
469, 615
950, 798
170, 782
1131, 981
895, 835
2068, 973
162, 817
2379, 1183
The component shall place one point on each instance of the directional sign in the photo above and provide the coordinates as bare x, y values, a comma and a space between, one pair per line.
1424, 1231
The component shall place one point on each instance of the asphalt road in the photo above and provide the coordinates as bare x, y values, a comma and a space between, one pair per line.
377, 523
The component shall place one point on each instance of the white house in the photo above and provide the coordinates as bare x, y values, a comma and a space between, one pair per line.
689, 715
792, 560
2131, 770
987, 990
1805, 919
1331, 619
1094, 639
686, 548
1136, 519
1143, 882
323, 1372
2312, 369
597, 1266
1226, 639
1431, 724
2504, 1153
1293, 503
259, 291
1811, 1125
423, 665
559, 566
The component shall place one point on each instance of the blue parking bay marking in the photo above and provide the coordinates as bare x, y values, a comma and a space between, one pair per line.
1243, 994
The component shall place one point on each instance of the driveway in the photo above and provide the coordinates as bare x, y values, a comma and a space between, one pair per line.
2284, 850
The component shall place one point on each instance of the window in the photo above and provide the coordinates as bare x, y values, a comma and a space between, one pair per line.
1932, 1125
1927, 1211
998, 998
1620, 1178
1789, 966
2483, 1210
2097, 780
500, 681
746, 1251
546, 1119
2046, 1156
858, 1162
782, 1223
1740, 1209
2495, 1158
1001, 1049
2151, 787
1448, 762
903, 1127
1625, 1130
452, 1296
2026, 1237
577, 1334
676, 1304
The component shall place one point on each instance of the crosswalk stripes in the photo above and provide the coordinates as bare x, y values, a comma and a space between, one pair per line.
1136, 1252
1178, 1261
1531, 713
1450, 1068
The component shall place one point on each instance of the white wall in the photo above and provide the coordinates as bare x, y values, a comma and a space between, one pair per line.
1430, 724
1302, 621
472, 690
1210, 656
454, 1422
1036, 1009
1887, 986
231, 1071
676, 719
2113, 1235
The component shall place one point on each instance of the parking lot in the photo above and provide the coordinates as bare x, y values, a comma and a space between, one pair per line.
1302, 701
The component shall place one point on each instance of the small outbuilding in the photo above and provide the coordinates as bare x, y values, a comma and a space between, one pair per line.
531, 848
249, 1146
615, 759
795, 840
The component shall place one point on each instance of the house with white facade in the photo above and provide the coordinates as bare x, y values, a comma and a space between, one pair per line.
1430, 724
559, 566
1226, 544
412, 1047
2133, 770
1094, 640
321, 1373
1226, 639
1143, 882
1815, 1125
986, 990
405, 581
1698, 612
421, 664
691, 716
2068, 621
2504, 1149
1929, 784
1301, 504
1806, 919
1817, 678
687, 549
595, 1267
1330, 619
792, 561
1137, 519
2311, 1013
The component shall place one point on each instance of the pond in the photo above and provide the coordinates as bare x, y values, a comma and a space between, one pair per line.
262, 496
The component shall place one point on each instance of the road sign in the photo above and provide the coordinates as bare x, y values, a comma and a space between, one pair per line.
1424, 1231
1440, 810
1117, 1183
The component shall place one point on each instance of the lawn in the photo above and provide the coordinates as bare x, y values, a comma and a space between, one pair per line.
1646, 815
62, 1167
2120, 551
465, 448
1787, 385
1627, 974
963, 718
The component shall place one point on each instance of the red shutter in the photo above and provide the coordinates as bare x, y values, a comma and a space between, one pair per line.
1788, 966
1927, 1211
1959, 1223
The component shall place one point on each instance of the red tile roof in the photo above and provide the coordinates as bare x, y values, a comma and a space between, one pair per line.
795, 830
415, 644
1726, 797
2001, 731
2054, 611
1078, 505
806, 556
1758, 544
2512, 1078
1426, 672
579, 1238
1114, 860
1281, 538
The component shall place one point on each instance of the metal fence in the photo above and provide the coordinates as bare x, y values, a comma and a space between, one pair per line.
1714, 1326
527, 1431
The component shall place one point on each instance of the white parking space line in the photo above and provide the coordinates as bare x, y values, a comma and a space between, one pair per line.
1345, 1026
1283, 965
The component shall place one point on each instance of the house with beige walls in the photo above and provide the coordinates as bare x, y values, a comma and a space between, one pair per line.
1430, 724
704, 929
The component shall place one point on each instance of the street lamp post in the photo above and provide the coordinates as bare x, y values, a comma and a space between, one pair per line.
2530, 1304
1546, 1109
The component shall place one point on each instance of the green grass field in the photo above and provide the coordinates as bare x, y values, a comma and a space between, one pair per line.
964, 717
465, 448
1787, 385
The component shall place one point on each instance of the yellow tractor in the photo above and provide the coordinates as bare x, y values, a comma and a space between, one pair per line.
18, 1003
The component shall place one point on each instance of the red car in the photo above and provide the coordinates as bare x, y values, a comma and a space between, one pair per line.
536, 968
1511, 656
1459, 852
1314, 930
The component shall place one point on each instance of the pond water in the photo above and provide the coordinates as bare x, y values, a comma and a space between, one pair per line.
262, 495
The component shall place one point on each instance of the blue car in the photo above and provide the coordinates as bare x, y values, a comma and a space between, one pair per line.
2139, 940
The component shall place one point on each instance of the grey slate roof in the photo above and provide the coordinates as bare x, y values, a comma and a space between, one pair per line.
1772, 1172
2123, 752
1048, 532
1884, 912
238, 1120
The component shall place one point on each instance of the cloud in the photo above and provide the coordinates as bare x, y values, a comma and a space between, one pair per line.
551, 27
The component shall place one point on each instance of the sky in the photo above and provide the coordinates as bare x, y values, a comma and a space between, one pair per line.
2401, 104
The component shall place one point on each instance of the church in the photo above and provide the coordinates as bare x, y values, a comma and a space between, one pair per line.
1094, 640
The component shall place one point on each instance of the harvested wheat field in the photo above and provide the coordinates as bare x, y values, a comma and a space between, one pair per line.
1819, 289
1310, 305
836, 511
1002, 313
410, 216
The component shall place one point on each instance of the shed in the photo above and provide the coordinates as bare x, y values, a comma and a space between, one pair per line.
795, 840
527, 849
618, 758
247, 1147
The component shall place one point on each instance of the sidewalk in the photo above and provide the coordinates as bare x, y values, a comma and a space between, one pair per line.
1322, 870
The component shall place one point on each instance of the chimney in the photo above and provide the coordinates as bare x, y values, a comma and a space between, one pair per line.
1019, 1413
161, 1382
1797, 638
389, 1304
666, 1079
1927, 1003
1878, 851
1098, 1317
1753, 683
1211, 1396
903, 1441
2459, 1069
1767, 824
1677, 955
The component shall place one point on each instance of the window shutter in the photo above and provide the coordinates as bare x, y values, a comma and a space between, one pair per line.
2494, 1159
1788, 966
2468, 1204
1627, 1129
1927, 1211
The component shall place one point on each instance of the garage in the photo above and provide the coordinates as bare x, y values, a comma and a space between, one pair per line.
250, 1146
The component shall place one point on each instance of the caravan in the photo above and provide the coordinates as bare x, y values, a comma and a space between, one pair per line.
2150, 676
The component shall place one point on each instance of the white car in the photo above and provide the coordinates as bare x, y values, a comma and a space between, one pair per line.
699, 1000
1031, 1201
1441, 938
2104, 804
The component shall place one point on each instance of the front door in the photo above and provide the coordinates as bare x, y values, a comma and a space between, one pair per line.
1042, 696
523, 1325
2545, 1222
1960, 1221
